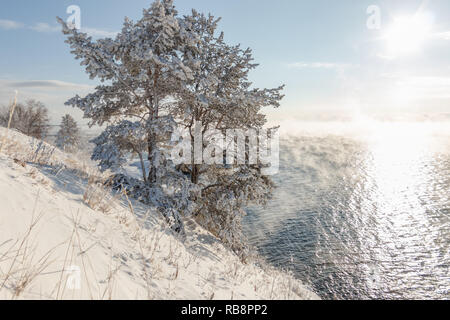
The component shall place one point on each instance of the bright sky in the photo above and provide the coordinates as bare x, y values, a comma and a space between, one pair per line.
330, 61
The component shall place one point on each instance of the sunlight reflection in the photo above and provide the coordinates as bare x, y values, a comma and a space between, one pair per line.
401, 172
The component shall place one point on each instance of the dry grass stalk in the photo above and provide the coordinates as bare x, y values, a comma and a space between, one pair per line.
11, 113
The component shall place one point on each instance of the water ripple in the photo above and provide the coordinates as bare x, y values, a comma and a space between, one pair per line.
361, 219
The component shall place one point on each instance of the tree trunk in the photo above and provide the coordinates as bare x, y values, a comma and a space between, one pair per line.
144, 173
194, 167
152, 170
194, 173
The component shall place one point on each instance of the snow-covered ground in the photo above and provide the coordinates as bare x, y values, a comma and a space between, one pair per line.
63, 236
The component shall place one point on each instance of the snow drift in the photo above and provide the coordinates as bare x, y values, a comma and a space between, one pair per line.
64, 236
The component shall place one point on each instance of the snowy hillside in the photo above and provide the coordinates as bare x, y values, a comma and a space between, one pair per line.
63, 236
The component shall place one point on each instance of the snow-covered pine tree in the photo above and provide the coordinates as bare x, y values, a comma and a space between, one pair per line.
68, 136
219, 97
163, 72
141, 71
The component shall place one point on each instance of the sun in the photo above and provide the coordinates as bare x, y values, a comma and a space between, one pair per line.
407, 34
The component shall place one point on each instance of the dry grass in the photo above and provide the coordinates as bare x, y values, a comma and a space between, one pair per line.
11, 114
97, 197
158, 259
22, 266
162, 259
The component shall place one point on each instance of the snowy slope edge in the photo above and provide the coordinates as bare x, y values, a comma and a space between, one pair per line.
62, 236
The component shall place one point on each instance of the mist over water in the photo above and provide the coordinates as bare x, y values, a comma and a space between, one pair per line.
363, 212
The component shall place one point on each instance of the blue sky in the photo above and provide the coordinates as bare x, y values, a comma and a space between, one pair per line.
322, 50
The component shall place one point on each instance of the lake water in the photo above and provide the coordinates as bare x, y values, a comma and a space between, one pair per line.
362, 215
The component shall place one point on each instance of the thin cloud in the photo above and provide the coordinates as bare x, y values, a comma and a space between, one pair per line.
99, 33
10, 25
53, 93
93, 32
443, 35
44, 84
429, 87
44, 27
385, 56
317, 65
418, 87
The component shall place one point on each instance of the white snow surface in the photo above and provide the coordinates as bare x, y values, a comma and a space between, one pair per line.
64, 237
